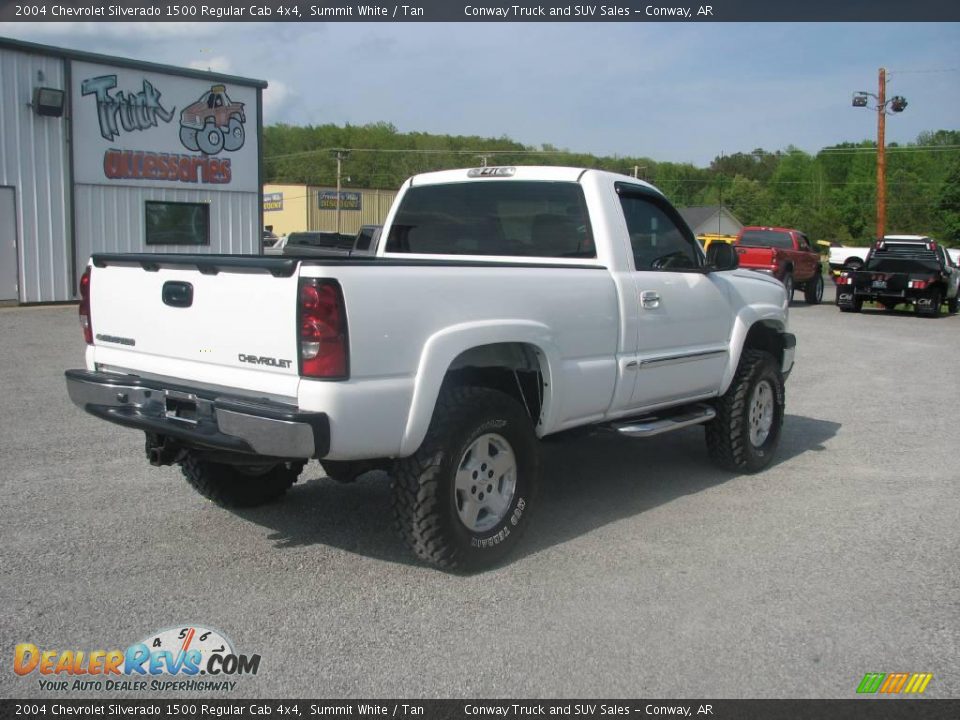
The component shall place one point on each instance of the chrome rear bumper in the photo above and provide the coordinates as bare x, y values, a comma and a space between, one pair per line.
198, 417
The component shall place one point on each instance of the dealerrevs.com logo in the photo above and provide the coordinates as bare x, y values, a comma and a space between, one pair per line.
188, 658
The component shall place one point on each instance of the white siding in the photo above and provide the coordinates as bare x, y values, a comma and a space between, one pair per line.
34, 161
111, 219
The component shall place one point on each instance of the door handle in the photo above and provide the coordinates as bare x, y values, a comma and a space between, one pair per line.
649, 299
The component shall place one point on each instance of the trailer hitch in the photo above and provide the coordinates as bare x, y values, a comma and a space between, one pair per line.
162, 450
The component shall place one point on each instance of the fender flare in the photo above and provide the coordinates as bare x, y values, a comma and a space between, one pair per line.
443, 347
770, 315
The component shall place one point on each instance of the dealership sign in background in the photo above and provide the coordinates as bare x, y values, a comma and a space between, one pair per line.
155, 130
272, 201
327, 200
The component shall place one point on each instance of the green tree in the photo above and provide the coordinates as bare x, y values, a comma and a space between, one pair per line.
948, 203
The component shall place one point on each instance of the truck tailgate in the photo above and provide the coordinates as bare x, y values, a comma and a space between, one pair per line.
219, 321
750, 256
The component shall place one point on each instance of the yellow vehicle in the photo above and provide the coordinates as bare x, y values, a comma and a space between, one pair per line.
707, 238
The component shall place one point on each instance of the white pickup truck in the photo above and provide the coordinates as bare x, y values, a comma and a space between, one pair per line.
843, 257
503, 305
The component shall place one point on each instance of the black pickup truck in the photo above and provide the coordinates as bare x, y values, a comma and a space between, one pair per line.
914, 270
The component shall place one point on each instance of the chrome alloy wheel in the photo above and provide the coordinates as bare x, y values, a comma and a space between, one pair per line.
486, 482
761, 413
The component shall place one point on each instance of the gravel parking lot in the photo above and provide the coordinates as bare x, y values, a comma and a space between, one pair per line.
647, 573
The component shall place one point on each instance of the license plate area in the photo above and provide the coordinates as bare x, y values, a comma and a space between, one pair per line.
880, 284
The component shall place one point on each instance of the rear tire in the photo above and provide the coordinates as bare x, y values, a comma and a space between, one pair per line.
953, 304
746, 431
856, 307
239, 486
462, 501
188, 138
936, 300
813, 289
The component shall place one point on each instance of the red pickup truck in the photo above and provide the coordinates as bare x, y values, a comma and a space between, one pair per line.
784, 253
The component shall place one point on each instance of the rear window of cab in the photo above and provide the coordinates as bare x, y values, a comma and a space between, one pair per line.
508, 218
766, 238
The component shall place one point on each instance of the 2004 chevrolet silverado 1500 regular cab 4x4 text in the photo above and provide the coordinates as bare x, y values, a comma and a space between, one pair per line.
502, 306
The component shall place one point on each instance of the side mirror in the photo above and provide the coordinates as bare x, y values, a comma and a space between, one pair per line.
722, 256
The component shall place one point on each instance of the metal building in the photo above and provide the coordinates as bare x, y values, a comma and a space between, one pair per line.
711, 220
105, 154
291, 208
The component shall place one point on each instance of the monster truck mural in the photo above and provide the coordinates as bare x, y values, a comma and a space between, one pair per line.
213, 123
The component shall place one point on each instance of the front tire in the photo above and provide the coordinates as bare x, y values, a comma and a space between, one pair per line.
788, 286
237, 486
462, 501
746, 431
813, 289
953, 304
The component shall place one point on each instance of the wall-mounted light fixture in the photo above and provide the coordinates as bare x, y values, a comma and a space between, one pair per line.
48, 102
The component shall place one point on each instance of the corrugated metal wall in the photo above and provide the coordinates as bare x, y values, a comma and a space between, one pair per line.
34, 160
374, 205
111, 219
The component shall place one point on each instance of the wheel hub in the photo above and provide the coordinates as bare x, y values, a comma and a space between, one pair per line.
486, 482
761, 413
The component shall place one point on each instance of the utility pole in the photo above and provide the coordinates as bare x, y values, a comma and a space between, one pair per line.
881, 154
896, 104
340, 155
483, 160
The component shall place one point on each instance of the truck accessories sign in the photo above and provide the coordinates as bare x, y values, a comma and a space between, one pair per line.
145, 128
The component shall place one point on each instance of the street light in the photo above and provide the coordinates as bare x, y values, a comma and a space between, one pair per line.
896, 104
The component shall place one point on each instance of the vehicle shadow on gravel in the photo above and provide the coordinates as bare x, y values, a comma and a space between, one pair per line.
588, 482
901, 313
605, 478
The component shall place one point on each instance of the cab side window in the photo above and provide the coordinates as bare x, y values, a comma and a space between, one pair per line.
658, 243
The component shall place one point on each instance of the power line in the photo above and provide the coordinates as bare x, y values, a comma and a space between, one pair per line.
922, 72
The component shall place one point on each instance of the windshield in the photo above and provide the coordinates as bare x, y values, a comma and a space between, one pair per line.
514, 217
766, 238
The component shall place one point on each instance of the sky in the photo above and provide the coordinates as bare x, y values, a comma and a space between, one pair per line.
668, 91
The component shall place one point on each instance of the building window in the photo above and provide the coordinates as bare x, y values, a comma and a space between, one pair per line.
177, 223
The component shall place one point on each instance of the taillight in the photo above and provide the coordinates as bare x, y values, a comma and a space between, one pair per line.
86, 323
322, 330
918, 284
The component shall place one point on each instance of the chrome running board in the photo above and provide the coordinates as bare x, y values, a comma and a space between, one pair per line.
651, 425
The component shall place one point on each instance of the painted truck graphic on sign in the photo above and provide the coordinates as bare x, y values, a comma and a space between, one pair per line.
213, 123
